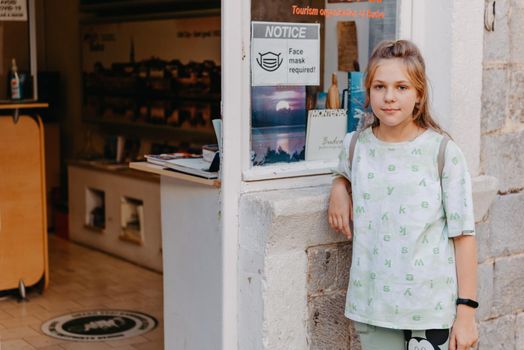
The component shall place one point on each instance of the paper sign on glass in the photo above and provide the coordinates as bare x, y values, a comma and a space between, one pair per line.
13, 10
285, 53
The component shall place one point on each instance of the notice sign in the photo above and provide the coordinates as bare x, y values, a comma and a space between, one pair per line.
13, 10
285, 54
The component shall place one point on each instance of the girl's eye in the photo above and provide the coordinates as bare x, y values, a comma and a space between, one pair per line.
378, 87
402, 87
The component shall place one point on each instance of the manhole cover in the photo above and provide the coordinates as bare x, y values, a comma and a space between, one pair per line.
99, 325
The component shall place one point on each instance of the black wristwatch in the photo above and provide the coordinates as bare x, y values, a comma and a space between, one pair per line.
471, 303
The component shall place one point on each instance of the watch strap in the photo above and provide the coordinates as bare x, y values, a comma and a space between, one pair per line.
469, 302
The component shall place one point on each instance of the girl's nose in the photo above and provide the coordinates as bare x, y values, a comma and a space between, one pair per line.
390, 95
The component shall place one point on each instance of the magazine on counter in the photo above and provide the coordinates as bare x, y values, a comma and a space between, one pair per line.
161, 159
192, 166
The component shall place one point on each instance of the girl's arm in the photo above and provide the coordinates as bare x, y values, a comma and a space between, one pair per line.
340, 209
464, 333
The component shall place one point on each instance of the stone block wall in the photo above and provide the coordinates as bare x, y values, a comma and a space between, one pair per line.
327, 282
501, 234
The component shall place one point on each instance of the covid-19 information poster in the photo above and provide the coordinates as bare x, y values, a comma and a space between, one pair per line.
13, 10
285, 53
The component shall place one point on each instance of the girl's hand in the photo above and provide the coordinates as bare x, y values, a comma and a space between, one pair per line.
464, 334
340, 209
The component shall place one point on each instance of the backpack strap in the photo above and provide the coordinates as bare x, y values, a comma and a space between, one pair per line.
352, 145
442, 155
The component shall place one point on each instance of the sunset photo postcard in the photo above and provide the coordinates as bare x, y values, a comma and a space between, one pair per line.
278, 125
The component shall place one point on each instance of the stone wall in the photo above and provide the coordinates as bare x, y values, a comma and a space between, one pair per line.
501, 235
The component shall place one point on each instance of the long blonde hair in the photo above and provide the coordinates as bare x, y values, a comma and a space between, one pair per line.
410, 55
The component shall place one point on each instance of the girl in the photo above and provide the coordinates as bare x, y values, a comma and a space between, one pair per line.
413, 273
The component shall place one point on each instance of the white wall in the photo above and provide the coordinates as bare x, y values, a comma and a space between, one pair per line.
450, 36
192, 246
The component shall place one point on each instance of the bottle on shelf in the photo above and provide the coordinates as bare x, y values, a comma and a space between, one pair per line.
15, 87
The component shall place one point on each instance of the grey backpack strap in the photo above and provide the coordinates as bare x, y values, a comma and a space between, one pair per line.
352, 144
442, 155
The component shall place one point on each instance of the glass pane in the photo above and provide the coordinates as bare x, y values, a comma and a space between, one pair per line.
306, 63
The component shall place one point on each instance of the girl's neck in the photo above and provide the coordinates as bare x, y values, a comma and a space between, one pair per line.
398, 133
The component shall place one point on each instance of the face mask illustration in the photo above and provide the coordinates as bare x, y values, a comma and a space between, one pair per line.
269, 61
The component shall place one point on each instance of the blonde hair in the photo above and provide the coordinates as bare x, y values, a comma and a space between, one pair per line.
409, 54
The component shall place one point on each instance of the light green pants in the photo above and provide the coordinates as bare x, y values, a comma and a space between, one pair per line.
378, 338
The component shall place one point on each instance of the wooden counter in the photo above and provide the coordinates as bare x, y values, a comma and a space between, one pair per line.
157, 169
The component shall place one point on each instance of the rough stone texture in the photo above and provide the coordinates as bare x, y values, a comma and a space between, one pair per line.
494, 99
515, 99
519, 340
506, 227
322, 269
328, 267
496, 43
355, 338
485, 290
498, 334
508, 285
329, 328
343, 264
482, 232
517, 35
285, 300
503, 158
328, 276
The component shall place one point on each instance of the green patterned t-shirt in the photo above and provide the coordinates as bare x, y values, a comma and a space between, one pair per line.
403, 266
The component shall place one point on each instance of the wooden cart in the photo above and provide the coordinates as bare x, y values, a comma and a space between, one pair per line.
23, 228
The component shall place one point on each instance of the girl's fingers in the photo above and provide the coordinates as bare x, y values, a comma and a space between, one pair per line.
346, 229
452, 342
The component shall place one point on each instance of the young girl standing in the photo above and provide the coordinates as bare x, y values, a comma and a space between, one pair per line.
413, 273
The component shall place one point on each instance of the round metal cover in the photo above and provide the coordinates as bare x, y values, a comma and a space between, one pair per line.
99, 325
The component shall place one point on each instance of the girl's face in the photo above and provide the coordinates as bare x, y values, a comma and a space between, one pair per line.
392, 96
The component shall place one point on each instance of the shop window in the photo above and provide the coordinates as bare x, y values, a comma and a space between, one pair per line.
307, 59
95, 212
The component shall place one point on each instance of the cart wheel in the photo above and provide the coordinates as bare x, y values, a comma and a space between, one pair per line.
21, 291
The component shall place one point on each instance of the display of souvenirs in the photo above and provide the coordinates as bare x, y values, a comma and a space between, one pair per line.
154, 91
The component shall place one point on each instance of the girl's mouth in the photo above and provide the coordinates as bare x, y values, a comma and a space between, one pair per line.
390, 110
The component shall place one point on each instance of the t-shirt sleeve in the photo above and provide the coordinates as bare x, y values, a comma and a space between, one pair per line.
344, 168
457, 194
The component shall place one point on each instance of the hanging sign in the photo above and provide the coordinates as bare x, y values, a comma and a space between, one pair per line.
13, 10
285, 53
